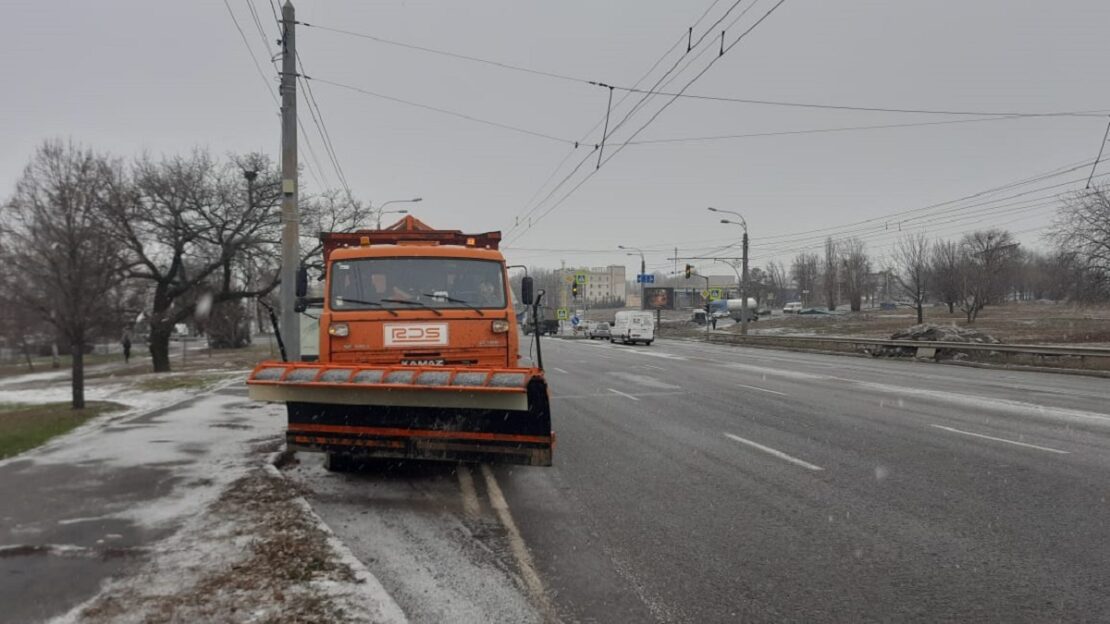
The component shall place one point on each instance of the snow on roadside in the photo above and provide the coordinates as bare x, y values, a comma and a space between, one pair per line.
242, 548
257, 554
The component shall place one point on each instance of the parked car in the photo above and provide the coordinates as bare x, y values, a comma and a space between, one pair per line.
600, 330
792, 308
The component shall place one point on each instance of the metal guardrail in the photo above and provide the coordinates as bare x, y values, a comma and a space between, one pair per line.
921, 345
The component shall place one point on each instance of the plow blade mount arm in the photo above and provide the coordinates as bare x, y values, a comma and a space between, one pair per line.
496, 415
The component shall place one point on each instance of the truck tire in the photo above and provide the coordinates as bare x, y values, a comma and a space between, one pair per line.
648, 343
338, 462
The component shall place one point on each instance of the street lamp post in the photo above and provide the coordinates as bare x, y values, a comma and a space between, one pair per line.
744, 280
643, 270
381, 210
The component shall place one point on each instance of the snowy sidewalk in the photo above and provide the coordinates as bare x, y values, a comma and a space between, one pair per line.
167, 494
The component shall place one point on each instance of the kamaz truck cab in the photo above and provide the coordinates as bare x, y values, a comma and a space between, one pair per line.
418, 354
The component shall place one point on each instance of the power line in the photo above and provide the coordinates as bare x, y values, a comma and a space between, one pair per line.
273, 94
653, 91
528, 211
250, 50
994, 212
1101, 146
870, 109
454, 55
443, 111
627, 116
261, 31
825, 130
665, 106
318, 119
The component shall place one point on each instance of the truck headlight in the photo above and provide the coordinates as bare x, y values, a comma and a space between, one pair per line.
500, 326
338, 329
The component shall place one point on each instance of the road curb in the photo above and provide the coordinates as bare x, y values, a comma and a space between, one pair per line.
376, 598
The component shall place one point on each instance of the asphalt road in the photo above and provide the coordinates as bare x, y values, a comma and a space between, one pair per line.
708, 483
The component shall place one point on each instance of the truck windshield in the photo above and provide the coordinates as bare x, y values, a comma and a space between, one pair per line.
414, 283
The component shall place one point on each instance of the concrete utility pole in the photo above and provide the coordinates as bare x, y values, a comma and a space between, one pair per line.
290, 219
744, 286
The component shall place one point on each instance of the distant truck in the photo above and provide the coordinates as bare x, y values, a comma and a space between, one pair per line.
548, 326
733, 308
632, 326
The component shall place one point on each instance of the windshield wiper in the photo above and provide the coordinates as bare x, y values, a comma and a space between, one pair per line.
454, 300
412, 302
369, 303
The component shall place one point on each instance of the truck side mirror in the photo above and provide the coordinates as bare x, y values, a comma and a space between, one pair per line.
302, 281
526, 290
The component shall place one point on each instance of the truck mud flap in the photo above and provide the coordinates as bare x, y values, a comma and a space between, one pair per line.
438, 413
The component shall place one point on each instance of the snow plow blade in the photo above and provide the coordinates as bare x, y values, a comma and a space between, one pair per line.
498, 415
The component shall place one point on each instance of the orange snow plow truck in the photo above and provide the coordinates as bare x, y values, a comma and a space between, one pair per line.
418, 357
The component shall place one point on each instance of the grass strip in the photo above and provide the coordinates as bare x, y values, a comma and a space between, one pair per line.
23, 427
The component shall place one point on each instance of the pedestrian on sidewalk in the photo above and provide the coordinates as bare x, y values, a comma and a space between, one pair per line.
714, 321
126, 347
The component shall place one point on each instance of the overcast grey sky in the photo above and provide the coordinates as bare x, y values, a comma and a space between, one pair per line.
132, 75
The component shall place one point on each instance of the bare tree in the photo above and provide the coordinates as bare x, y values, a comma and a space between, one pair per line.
777, 280
945, 273
830, 279
1082, 230
856, 265
188, 229
805, 272
911, 269
985, 258
60, 254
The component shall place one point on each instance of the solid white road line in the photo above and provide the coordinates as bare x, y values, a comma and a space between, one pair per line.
516, 543
760, 389
776, 453
559, 369
623, 394
602, 395
1015, 443
469, 494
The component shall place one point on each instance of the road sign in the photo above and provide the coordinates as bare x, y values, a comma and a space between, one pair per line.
645, 279
705, 294
581, 278
562, 314
714, 294
574, 320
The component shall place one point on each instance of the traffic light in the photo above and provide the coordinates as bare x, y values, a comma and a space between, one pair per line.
574, 290
689, 270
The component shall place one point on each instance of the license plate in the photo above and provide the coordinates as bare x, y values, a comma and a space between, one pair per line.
422, 362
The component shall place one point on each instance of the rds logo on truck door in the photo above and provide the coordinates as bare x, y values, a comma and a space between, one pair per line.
415, 334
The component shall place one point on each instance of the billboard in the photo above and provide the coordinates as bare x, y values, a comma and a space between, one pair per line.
658, 299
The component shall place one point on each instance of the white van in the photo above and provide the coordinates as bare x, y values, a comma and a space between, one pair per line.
633, 326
